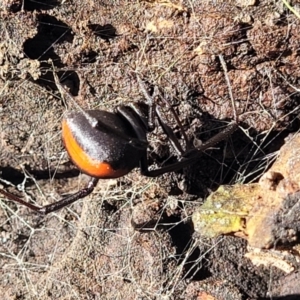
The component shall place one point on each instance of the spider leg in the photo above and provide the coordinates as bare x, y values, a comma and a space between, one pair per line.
154, 111
229, 130
175, 115
44, 210
191, 155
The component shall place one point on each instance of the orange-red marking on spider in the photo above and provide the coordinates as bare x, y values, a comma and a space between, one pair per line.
84, 162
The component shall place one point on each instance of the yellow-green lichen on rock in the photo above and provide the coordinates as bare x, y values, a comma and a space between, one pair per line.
225, 210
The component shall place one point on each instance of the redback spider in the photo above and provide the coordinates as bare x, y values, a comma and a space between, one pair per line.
103, 144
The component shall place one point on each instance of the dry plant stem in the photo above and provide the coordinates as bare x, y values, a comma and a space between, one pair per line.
235, 116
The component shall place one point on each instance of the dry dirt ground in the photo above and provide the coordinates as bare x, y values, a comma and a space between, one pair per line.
132, 238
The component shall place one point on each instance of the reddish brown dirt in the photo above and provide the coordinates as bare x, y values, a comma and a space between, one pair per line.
132, 239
